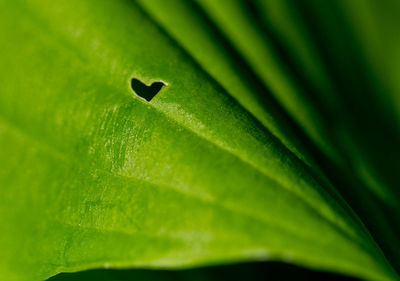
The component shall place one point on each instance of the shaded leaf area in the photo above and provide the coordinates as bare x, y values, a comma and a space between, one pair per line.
221, 166
272, 271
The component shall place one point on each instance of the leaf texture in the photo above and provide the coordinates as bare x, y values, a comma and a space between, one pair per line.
209, 171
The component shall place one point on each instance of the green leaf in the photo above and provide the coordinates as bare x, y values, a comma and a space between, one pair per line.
92, 175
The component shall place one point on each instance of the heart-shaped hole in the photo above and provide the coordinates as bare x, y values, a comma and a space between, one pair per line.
144, 91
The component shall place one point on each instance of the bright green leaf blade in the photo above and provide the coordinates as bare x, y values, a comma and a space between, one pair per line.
94, 176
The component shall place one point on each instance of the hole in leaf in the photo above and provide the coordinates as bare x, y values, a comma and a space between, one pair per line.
144, 91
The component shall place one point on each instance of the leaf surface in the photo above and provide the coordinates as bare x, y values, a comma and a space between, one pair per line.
93, 176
